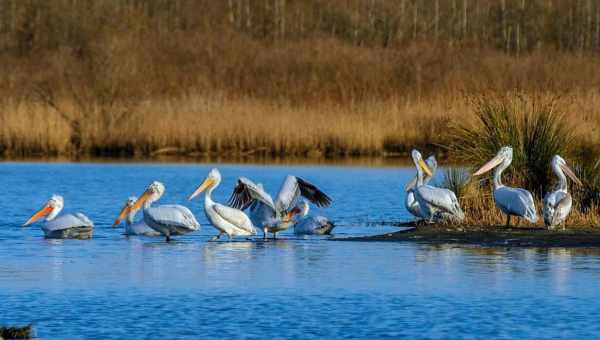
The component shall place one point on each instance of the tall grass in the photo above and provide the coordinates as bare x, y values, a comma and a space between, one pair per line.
532, 125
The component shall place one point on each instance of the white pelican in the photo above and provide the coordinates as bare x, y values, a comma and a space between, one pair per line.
65, 226
273, 217
310, 225
512, 201
131, 227
557, 204
438, 203
226, 220
169, 219
410, 202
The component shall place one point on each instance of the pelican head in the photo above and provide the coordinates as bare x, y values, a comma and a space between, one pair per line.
127, 208
153, 192
51, 208
420, 163
558, 163
212, 180
504, 156
301, 209
431, 163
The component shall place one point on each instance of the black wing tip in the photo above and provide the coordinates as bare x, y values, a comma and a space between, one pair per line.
314, 194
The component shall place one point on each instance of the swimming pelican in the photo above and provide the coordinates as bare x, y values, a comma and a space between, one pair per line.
511, 201
410, 202
434, 202
273, 217
66, 226
171, 219
226, 220
310, 225
131, 227
557, 204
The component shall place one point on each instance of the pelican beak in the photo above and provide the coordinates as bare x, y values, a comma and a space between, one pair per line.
291, 214
411, 184
425, 168
571, 174
126, 209
41, 213
140, 201
206, 184
489, 165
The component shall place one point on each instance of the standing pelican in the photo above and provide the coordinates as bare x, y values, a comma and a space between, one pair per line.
557, 204
226, 220
310, 225
131, 227
511, 201
274, 218
65, 226
410, 202
169, 219
433, 201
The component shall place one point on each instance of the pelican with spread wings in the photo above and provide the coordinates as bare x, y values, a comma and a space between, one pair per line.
273, 217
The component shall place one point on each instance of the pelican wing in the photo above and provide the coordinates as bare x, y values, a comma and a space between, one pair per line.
172, 215
67, 221
557, 206
293, 187
234, 216
439, 198
247, 193
517, 202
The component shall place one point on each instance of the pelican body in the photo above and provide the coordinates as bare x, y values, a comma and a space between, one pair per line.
311, 225
410, 202
133, 228
511, 201
229, 221
275, 216
65, 226
168, 220
557, 204
434, 203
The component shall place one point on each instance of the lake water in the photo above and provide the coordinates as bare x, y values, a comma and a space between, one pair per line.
118, 287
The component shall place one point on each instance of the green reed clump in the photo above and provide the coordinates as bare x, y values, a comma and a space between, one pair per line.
456, 180
587, 195
532, 125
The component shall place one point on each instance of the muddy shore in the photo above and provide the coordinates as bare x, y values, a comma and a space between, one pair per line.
490, 236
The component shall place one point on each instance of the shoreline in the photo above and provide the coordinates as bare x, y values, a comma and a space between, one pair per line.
494, 236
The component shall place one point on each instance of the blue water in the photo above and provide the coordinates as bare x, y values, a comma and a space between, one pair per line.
118, 287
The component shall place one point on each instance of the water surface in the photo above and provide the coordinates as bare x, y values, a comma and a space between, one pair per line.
118, 287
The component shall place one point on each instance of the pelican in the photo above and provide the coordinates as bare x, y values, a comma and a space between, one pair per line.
557, 204
433, 201
226, 220
274, 217
131, 227
310, 225
410, 202
166, 219
66, 226
511, 201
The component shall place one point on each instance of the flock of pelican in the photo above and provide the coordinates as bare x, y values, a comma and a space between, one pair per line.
290, 208
434, 204
250, 207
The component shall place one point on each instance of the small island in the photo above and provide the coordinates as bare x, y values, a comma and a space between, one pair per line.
491, 236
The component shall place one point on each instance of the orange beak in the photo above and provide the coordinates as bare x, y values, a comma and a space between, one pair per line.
207, 183
138, 204
41, 213
291, 214
126, 209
